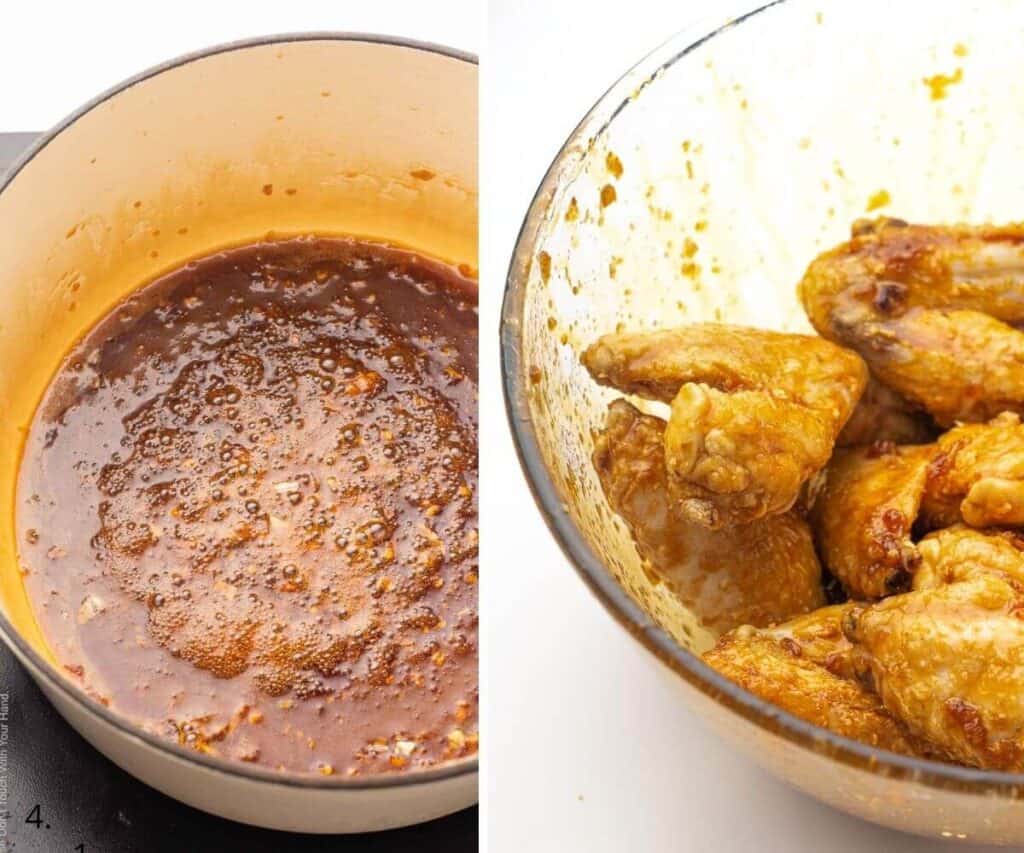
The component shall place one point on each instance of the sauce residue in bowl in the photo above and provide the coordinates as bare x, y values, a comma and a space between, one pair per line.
247, 508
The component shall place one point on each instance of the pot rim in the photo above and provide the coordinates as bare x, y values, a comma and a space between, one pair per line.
581, 556
41, 669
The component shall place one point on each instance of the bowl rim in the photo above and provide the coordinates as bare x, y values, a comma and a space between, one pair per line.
591, 569
42, 669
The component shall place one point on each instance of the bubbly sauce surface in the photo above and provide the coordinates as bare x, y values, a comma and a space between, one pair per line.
247, 508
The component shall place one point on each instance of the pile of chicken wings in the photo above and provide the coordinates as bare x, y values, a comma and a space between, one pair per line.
845, 512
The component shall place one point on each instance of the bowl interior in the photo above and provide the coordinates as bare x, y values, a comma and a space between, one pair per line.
706, 180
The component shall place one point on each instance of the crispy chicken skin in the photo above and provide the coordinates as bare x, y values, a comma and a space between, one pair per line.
933, 311
948, 657
754, 414
883, 415
977, 475
862, 519
949, 663
759, 574
774, 667
818, 636
959, 552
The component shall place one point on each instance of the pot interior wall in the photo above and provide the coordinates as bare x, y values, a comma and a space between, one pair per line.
326, 136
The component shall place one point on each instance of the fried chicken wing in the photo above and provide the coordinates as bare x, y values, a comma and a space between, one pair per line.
933, 311
759, 574
771, 665
883, 415
754, 413
818, 636
864, 515
929, 660
949, 662
959, 552
977, 475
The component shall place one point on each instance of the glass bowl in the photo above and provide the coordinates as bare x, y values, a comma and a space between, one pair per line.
699, 188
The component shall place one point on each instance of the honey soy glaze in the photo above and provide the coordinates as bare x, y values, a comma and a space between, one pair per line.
247, 508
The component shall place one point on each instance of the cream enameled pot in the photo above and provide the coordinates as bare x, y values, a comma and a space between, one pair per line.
321, 132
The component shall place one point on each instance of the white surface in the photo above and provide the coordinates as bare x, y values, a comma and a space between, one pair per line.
586, 745
57, 56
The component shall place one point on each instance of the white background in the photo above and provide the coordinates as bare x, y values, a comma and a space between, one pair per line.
587, 746
55, 56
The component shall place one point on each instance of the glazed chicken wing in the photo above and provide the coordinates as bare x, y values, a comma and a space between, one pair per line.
932, 309
978, 475
863, 517
759, 574
791, 674
818, 636
948, 658
949, 662
754, 413
959, 552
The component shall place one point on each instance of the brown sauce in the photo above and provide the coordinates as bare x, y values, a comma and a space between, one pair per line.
247, 508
